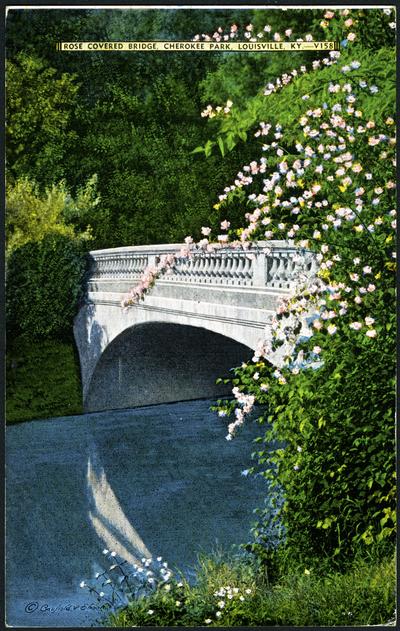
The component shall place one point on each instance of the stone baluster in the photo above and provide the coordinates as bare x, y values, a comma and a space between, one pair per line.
240, 270
217, 272
185, 269
202, 270
272, 270
188, 270
205, 268
290, 270
177, 270
133, 264
123, 263
136, 266
142, 262
248, 264
234, 270
216, 268
227, 275
196, 272
311, 264
212, 267
281, 272
192, 265
181, 270
106, 266
209, 268
110, 262
257, 272
225, 269
197, 262
94, 268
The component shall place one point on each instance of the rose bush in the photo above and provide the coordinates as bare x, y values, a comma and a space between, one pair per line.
325, 179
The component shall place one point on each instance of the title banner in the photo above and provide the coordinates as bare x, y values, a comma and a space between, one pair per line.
196, 46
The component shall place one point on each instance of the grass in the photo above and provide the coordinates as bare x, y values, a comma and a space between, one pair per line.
363, 595
43, 380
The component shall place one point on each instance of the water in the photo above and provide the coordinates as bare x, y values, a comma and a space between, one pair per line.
159, 480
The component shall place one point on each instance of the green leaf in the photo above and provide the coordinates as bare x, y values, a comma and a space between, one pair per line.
198, 149
208, 148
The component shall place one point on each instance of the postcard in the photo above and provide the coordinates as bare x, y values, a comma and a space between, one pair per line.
200, 315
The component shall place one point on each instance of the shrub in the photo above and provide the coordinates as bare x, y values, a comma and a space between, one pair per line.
326, 180
42, 380
40, 104
29, 215
44, 286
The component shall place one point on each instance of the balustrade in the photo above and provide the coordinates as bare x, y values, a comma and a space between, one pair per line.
117, 266
275, 264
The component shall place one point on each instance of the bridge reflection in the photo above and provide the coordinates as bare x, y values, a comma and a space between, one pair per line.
107, 517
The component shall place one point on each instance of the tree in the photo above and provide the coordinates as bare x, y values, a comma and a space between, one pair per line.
39, 107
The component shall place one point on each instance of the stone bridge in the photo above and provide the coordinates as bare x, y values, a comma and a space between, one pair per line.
206, 316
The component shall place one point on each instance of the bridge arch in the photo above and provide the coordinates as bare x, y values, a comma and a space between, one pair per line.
213, 307
161, 362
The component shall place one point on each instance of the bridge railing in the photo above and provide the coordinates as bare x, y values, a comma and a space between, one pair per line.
274, 264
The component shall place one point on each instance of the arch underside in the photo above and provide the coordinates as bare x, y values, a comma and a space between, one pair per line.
159, 362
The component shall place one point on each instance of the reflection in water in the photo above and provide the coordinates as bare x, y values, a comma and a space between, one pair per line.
87, 485
108, 518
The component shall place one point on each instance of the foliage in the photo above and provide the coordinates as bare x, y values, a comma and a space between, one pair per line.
39, 106
30, 215
133, 121
234, 592
332, 403
140, 153
325, 180
42, 380
44, 286
314, 80
80, 210
337, 467
238, 76
153, 190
